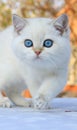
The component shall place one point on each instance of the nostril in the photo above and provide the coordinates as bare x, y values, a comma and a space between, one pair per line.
38, 52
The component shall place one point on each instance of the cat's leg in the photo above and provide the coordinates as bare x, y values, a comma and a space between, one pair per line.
48, 90
14, 94
13, 87
5, 101
12, 82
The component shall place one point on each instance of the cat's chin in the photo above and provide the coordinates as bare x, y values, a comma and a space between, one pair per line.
39, 63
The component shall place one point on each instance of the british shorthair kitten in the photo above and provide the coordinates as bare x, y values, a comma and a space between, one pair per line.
34, 53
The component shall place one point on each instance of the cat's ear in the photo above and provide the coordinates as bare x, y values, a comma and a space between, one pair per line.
18, 23
61, 23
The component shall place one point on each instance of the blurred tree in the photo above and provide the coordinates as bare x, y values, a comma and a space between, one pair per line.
5, 15
25, 8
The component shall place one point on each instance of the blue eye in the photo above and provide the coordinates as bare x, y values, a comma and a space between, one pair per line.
28, 43
48, 43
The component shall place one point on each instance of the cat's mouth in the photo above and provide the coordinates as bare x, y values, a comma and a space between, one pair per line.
37, 58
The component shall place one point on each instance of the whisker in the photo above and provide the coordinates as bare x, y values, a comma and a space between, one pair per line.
50, 59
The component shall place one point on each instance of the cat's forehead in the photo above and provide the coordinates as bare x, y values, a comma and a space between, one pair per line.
38, 26
37, 20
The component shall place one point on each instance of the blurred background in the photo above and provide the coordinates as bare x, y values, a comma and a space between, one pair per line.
47, 8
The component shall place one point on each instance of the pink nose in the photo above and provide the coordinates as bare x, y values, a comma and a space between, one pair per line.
37, 52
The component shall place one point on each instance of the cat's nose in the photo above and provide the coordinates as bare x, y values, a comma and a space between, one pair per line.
37, 52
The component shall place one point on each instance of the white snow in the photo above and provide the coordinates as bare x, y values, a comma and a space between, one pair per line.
62, 116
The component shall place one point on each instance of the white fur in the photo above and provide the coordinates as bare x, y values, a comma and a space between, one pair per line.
19, 66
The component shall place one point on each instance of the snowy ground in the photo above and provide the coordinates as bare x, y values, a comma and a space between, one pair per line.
62, 116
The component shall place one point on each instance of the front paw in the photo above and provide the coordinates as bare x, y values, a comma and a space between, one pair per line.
41, 103
28, 103
5, 102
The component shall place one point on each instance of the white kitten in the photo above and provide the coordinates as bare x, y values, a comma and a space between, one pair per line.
35, 53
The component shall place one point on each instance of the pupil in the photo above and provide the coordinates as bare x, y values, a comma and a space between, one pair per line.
28, 43
48, 43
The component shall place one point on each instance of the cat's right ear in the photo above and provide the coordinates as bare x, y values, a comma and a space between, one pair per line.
18, 23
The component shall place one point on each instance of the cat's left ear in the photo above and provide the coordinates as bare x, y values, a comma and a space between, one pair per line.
18, 23
61, 23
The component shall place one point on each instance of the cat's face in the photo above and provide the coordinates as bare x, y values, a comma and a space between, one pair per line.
41, 42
